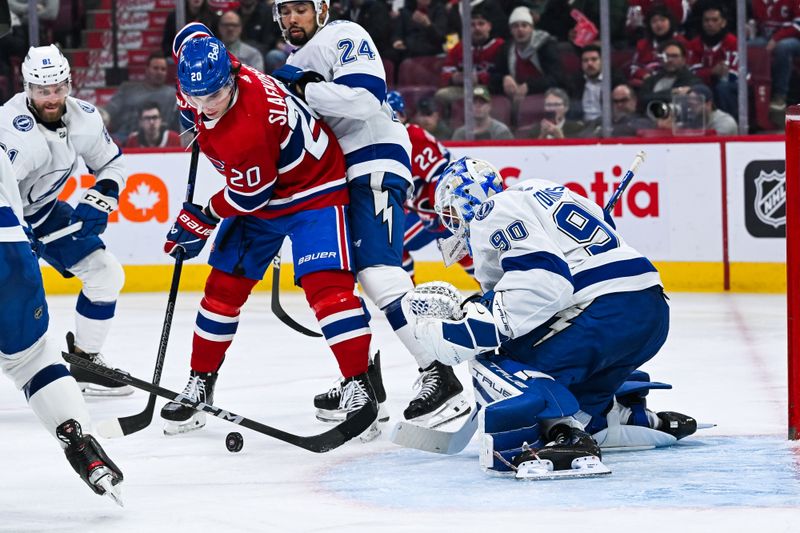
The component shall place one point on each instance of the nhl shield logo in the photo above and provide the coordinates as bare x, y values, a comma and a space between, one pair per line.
770, 200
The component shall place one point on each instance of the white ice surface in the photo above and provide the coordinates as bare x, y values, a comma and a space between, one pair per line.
725, 356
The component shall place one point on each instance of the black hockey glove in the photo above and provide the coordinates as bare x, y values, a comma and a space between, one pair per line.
296, 79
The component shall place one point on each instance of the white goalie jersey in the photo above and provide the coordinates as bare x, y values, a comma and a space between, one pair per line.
43, 159
352, 100
543, 249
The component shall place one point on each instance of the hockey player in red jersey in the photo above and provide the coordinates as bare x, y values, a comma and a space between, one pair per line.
285, 176
428, 160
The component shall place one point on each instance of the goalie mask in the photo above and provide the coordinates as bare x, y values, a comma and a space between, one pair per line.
463, 186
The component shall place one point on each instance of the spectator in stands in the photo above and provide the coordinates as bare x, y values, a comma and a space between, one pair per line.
779, 30
485, 57
648, 58
714, 119
714, 58
428, 117
196, 11
373, 16
693, 24
131, 95
46, 9
13, 44
258, 28
674, 75
151, 132
555, 124
586, 87
420, 29
486, 127
230, 33
492, 11
640, 13
626, 120
528, 63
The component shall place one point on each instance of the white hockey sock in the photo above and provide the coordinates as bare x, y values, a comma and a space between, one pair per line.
58, 401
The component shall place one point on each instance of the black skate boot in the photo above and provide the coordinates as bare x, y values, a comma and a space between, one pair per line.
676, 424
327, 403
90, 461
182, 419
92, 384
438, 399
357, 392
571, 452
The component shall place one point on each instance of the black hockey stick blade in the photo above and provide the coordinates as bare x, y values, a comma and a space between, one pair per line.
275, 304
323, 442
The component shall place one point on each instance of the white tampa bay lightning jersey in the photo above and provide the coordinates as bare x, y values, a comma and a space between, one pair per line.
43, 159
352, 100
543, 248
10, 204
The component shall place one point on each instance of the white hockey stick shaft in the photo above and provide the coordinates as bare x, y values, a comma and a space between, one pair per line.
61, 233
626, 180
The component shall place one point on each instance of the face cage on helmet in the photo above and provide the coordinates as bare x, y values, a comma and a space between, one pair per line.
276, 13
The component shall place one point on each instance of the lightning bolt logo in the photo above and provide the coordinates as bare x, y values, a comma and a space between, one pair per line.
563, 321
381, 199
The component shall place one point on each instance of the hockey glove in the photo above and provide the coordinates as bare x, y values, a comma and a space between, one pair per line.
190, 232
296, 79
37, 246
95, 206
455, 341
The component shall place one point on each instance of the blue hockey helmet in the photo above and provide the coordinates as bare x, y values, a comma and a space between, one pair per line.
396, 102
203, 66
463, 187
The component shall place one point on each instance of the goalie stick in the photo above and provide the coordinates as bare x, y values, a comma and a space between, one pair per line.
119, 427
436, 440
275, 304
323, 442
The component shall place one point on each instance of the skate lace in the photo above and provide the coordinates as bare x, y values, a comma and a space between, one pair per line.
194, 388
353, 396
335, 391
427, 383
98, 358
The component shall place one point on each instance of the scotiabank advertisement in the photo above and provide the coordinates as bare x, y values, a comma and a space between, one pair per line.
672, 211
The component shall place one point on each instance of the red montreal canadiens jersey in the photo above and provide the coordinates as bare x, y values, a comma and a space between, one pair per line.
276, 157
428, 159
702, 58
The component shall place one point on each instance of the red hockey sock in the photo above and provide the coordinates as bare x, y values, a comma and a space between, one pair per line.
218, 319
342, 318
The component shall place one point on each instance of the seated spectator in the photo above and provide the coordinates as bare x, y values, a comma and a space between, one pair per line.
420, 29
714, 119
779, 31
528, 63
492, 11
373, 16
429, 118
196, 11
555, 124
486, 127
586, 88
714, 58
625, 119
258, 28
131, 95
673, 75
648, 58
151, 132
640, 12
485, 57
230, 33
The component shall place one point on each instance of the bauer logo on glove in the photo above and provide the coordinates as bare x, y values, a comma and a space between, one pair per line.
190, 231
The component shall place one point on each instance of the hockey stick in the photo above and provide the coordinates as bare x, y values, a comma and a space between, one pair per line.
126, 425
275, 304
61, 233
323, 442
436, 440
626, 180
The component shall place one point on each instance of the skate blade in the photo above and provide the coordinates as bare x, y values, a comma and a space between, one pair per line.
452, 409
106, 483
178, 428
541, 470
336, 416
93, 389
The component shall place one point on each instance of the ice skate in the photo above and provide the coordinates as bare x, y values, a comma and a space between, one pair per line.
439, 398
327, 403
357, 391
91, 384
182, 419
676, 424
571, 453
90, 461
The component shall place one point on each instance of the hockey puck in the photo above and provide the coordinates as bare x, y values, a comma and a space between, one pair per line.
234, 442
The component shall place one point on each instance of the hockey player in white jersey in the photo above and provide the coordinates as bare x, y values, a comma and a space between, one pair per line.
44, 131
338, 71
572, 311
31, 361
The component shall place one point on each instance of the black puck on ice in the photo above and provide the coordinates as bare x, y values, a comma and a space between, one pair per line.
234, 442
